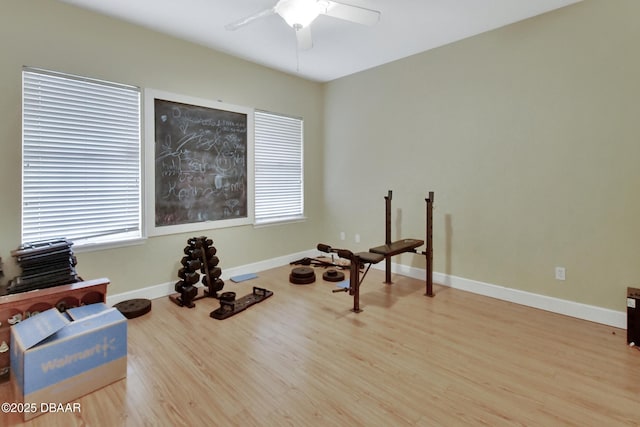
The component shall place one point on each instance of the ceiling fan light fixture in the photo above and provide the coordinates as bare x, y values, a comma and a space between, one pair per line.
298, 13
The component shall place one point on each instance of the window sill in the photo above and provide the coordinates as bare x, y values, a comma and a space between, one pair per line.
280, 221
92, 247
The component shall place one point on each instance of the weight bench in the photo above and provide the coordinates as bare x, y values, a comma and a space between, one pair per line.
355, 262
396, 248
385, 252
390, 248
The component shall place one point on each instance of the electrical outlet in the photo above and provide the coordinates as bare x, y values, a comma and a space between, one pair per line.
357, 238
342, 235
560, 273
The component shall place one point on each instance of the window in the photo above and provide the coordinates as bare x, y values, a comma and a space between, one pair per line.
81, 159
279, 194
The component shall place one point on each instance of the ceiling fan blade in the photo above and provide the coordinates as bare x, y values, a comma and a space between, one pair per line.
359, 15
303, 34
248, 19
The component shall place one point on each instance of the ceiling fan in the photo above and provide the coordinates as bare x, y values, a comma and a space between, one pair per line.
299, 14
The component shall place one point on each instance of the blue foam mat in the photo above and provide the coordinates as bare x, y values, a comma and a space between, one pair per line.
243, 277
344, 284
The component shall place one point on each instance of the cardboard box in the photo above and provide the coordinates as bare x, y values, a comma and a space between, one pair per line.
78, 313
57, 358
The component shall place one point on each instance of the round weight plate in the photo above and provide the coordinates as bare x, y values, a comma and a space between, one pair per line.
227, 296
303, 281
302, 276
303, 272
333, 276
134, 307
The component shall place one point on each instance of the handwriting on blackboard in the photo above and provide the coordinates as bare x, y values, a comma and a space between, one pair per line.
200, 164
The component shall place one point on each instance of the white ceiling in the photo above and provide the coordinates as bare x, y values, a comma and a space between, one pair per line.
340, 48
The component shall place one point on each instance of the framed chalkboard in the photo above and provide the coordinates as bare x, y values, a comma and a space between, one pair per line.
199, 164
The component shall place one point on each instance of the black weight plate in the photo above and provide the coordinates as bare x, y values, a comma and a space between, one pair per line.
302, 276
228, 296
303, 272
333, 276
134, 307
299, 281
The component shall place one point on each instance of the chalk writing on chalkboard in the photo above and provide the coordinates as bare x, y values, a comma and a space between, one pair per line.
200, 164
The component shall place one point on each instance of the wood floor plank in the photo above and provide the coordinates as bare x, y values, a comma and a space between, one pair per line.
302, 358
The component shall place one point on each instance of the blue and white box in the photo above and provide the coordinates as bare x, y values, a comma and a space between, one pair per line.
57, 358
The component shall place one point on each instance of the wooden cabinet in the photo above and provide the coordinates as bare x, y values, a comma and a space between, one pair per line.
27, 304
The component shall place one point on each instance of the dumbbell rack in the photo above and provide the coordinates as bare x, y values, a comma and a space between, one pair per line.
200, 254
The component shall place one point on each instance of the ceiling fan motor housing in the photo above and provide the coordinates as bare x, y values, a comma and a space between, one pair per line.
299, 13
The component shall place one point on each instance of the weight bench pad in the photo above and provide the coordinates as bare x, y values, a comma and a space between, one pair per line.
398, 247
370, 258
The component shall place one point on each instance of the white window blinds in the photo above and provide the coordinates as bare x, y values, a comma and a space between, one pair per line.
279, 192
81, 159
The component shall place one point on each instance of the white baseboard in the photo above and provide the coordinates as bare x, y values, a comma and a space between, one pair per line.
617, 319
165, 289
578, 310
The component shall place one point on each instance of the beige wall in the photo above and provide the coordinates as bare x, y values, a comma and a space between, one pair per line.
53, 35
530, 137
527, 134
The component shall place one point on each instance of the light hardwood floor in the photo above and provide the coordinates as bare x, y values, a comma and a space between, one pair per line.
302, 358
